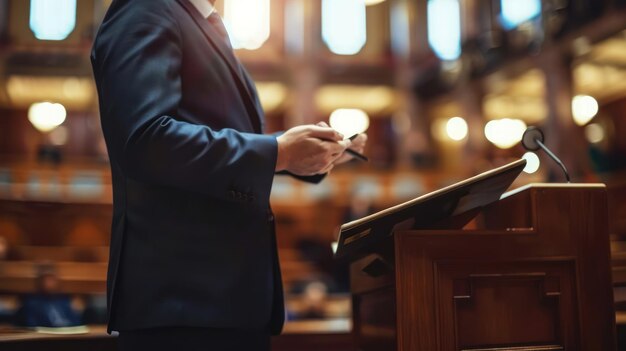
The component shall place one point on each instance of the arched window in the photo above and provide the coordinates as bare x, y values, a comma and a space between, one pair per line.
400, 38
294, 26
52, 19
248, 22
444, 28
344, 26
516, 12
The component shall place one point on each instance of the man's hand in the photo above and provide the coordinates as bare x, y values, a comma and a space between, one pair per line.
310, 149
358, 145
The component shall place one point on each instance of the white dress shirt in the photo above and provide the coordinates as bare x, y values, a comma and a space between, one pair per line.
204, 7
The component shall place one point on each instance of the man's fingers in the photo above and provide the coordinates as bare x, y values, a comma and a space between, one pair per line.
345, 143
336, 148
322, 124
325, 133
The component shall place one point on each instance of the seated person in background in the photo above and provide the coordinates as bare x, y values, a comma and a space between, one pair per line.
315, 295
312, 304
46, 307
334, 273
4, 248
95, 310
6, 312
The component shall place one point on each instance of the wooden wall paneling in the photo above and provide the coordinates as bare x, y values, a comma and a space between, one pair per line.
50, 223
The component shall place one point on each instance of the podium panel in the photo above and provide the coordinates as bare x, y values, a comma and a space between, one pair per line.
532, 273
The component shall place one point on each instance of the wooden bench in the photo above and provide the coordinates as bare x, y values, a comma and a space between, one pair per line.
20, 277
60, 253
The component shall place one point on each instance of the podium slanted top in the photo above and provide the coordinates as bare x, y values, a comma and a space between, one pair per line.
362, 235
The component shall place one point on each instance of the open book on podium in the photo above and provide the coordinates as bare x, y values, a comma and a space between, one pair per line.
426, 211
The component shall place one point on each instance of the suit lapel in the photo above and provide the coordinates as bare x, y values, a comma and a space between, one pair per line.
228, 56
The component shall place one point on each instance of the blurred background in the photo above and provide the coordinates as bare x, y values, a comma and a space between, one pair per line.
443, 88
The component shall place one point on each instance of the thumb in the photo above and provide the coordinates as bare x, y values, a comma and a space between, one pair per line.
340, 146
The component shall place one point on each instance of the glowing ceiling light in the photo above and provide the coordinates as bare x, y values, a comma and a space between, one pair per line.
52, 19
46, 116
516, 12
344, 26
532, 162
444, 28
456, 128
584, 108
594, 133
248, 22
77, 92
349, 121
373, 99
505, 133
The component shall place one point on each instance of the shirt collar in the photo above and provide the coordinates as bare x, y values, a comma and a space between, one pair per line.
204, 7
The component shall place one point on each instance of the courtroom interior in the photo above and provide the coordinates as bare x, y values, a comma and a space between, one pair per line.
444, 90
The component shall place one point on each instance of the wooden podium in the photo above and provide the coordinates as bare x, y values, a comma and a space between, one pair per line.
530, 272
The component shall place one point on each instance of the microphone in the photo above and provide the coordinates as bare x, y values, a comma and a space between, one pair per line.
532, 140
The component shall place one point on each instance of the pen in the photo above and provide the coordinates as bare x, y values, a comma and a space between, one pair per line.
354, 153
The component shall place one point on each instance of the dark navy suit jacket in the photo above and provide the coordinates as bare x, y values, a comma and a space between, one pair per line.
192, 240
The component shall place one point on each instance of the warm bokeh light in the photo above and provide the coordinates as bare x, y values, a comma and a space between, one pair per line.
532, 162
349, 121
52, 19
456, 128
516, 12
272, 95
373, 2
248, 22
373, 99
444, 28
594, 133
72, 92
46, 116
344, 26
584, 108
505, 133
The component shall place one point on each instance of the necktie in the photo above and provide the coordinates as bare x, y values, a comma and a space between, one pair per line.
216, 21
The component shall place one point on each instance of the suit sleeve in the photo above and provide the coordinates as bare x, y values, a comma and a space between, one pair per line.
137, 61
315, 179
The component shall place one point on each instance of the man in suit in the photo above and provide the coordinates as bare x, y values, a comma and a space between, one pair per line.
193, 261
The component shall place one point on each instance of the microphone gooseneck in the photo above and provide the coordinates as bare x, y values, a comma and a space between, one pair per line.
532, 140
556, 159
